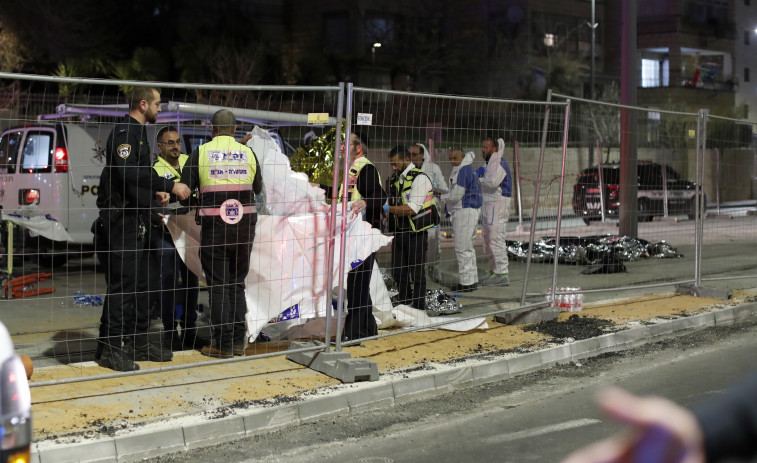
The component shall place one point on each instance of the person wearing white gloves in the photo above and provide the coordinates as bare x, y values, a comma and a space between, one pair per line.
496, 187
422, 160
463, 204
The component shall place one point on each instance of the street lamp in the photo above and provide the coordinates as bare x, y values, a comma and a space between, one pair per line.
373, 60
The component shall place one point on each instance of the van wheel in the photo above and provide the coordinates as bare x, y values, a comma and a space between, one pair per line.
587, 220
51, 253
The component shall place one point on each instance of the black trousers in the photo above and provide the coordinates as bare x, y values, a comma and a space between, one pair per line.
172, 284
360, 322
125, 316
225, 258
409, 251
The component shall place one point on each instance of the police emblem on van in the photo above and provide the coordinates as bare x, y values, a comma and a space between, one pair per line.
124, 150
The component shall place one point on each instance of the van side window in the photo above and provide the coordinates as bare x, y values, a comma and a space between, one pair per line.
9, 146
37, 154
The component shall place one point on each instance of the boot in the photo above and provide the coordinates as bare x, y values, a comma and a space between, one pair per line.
190, 339
117, 359
144, 350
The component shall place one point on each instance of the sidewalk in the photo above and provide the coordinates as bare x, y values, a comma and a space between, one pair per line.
129, 418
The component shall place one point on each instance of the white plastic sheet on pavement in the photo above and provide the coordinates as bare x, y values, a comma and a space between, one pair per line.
39, 225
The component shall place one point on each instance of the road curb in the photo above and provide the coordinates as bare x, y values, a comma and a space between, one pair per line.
362, 397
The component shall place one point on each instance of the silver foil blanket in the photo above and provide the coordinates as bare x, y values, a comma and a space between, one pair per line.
440, 303
587, 250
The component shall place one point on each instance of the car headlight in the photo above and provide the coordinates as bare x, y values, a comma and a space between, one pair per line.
15, 412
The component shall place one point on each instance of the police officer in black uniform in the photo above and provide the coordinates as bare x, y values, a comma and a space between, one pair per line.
128, 186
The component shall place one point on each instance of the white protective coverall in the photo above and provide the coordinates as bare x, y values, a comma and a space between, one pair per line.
495, 213
464, 225
439, 184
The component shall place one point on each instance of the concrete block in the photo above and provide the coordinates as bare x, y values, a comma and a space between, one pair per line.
339, 365
745, 312
524, 363
446, 381
584, 348
703, 319
34, 457
660, 329
725, 316
102, 450
555, 355
704, 291
371, 398
213, 432
607, 341
498, 369
272, 418
413, 388
528, 315
323, 407
138, 446
631, 336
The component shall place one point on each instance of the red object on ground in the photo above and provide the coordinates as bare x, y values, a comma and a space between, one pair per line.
27, 285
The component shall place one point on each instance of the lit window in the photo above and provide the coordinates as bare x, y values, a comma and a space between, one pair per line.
650, 73
549, 40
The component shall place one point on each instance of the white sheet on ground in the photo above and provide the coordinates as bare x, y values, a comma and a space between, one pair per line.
39, 225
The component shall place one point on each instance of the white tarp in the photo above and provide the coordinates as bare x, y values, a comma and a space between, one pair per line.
40, 225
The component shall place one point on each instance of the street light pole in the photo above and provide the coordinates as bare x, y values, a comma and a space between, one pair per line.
373, 60
593, 25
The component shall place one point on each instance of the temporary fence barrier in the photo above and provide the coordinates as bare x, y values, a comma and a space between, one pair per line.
559, 152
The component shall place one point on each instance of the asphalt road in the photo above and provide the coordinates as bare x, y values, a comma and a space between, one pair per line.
536, 417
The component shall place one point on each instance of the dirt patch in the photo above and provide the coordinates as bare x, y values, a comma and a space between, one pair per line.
575, 327
108, 406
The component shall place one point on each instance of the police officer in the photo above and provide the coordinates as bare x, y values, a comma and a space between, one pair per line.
496, 187
412, 210
228, 176
128, 186
178, 287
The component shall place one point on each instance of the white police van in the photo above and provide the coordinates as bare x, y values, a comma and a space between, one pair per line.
50, 170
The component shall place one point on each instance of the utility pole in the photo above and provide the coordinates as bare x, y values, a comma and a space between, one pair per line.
593, 25
629, 216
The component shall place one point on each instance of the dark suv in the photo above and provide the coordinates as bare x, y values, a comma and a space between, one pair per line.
681, 199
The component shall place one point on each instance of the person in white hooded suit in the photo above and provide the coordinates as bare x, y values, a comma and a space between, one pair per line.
463, 204
497, 187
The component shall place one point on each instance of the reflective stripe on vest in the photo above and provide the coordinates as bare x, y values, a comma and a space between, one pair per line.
401, 189
225, 165
354, 173
211, 211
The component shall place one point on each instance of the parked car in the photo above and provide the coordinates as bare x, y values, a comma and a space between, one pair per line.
651, 193
15, 405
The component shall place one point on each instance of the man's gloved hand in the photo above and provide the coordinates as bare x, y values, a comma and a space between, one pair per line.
501, 148
386, 207
480, 171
